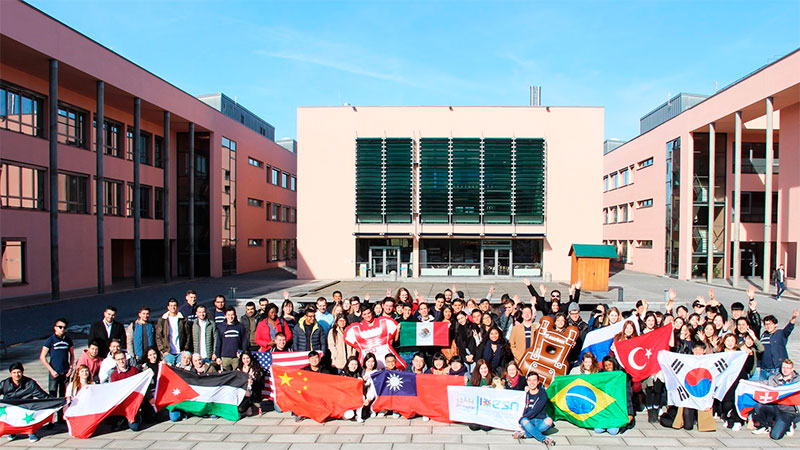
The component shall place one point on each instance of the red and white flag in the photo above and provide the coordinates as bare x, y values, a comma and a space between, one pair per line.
639, 355
291, 360
95, 402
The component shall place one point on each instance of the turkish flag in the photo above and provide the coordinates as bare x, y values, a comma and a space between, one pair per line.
171, 389
316, 395
639, 355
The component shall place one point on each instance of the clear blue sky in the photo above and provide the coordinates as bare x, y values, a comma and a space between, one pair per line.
275, 56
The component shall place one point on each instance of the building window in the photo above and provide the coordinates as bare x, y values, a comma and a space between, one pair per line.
229, 144
269, 209
605, 216
112, 205
285, 248
158, 203
285, 216
623, 212
615, 180
274, 177
255, 242
113, 138
284, 180
158, 152
72, 194
276, 212
646, 163
605, 183
144, 201
645, 203
254, 162
226, 217
753, 206
754, 157
624, 174
20, 112
614, 215
293, 249
645, 244
13, 262
273, 251
293, 216
255, 202
201, 165
71, 126
293, 183
129, 144
144, 149
21, 187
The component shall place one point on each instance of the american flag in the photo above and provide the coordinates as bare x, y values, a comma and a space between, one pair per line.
294, 360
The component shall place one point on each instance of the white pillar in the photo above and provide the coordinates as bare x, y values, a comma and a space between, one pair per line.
712, 135
767, 263
737, 197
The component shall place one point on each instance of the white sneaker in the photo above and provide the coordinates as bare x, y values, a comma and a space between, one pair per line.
426, 419
349, 414
396, 415
762, 430
736, 426
790, 432
359, 419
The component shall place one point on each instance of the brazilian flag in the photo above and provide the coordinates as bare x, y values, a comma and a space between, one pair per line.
598, 400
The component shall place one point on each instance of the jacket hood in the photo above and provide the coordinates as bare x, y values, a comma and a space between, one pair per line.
166, 314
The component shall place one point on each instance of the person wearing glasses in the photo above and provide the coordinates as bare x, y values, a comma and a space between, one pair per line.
62, 358
555, 296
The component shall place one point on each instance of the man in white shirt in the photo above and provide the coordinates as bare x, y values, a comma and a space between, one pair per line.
171, 333
108, 366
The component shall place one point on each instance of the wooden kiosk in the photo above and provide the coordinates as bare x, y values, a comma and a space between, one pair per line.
590, 265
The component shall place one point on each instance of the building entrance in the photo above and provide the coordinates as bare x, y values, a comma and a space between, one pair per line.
384, 260
496, 257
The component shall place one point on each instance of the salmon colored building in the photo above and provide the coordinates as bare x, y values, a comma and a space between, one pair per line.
235, 214
447, 191
713, 191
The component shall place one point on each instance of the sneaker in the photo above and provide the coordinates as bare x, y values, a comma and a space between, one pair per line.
359, 419
33, 438
549, 442
426, 419
395, 415
518, 435
298, 419
11, 437
790, 431
349, 414
762, 430
736, 427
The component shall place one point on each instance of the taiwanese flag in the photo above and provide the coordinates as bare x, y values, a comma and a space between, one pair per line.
95, 402
316, 395
27, 416
750, 393
411, 394
639, 355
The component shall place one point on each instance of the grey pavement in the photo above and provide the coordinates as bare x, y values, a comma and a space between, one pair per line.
280, 431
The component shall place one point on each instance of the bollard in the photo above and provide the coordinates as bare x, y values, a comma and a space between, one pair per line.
548, 277
666, 295
619, 294
233, 294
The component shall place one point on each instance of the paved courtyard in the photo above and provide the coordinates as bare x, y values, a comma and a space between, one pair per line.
280, 431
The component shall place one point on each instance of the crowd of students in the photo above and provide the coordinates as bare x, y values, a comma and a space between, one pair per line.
485, 347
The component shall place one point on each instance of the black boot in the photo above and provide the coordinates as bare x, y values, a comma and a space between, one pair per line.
652, 415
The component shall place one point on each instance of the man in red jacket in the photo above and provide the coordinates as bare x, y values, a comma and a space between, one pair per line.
124, 370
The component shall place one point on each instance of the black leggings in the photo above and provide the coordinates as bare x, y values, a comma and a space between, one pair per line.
653, 394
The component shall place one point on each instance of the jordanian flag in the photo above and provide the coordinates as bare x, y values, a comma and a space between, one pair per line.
217, 394
424, 334
27, 416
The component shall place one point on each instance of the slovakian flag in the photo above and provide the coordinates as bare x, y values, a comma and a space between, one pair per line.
424, 334
751, 393
292, 360
639, 355
599, 341
217, 393
27, 416
316, 395
411, 394
694, 381
95, 402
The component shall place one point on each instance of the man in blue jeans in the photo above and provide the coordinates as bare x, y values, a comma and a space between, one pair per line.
774, 342
779, 420
534, 417
780, 281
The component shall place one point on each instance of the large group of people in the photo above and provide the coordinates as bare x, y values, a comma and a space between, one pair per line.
485, 346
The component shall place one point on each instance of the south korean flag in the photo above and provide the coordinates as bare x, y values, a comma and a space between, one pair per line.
695, 381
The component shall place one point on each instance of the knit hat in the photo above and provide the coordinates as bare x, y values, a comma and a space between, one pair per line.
573, 307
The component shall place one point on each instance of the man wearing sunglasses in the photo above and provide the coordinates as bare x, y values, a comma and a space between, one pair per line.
543, 305
62, 357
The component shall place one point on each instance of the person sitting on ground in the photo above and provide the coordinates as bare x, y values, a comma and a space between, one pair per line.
108, 365
200, 367
457, 367
513, 379
352, 369
251, 405
185, 361
779, 420
91, 359
439, 365
122, 371
588, 365
534, 421
20, 387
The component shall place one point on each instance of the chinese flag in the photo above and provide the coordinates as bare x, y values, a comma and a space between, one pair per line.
316, 395
639, 355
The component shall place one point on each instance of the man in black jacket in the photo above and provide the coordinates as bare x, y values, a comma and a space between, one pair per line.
20, 387
107, 329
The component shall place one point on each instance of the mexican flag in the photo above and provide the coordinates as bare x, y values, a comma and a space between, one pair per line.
424, 334
217, 394
27, 416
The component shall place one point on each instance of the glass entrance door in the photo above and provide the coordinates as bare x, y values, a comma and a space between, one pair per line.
384, 260
496, 260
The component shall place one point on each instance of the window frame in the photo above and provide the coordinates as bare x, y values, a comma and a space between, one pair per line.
255, 202
115, 149
253, 242
23, 263
273, 175
37, 102
83, 205
39, 185
158, 205
82, 141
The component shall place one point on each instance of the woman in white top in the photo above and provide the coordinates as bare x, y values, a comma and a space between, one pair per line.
81, 379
